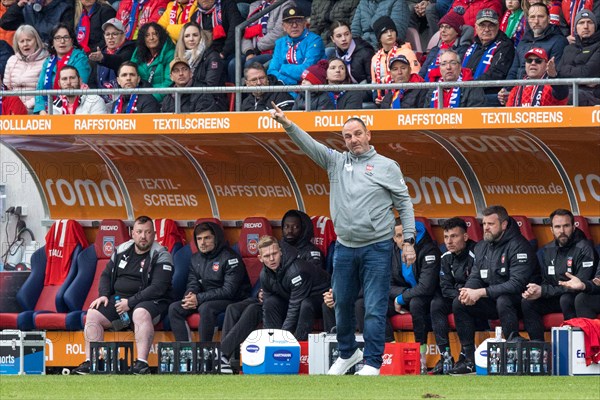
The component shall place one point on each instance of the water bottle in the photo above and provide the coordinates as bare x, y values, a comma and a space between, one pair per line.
423, 359
447, 366
124, 317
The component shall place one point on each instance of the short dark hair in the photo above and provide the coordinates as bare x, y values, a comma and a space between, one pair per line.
398, 222
68, 67
337, 24
356, 119
143, 219
545, 7
203, 227
562, 212
255, 65
69, 29
128, 64
496, 209
454, 222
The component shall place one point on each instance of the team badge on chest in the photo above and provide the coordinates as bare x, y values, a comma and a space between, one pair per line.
215, 266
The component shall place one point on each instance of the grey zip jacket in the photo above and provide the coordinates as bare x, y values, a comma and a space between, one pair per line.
363, 190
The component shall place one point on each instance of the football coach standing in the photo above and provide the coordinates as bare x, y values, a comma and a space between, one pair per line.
364, 186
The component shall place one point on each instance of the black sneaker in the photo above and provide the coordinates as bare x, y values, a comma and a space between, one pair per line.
140, 368
463, 367
438, 369
226, 366
83, 368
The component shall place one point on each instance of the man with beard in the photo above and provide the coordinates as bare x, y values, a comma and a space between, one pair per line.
68, 78
570, 252
140, 273
504, 262
128, 77
297, 230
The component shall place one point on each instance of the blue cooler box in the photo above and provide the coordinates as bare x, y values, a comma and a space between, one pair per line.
270, 351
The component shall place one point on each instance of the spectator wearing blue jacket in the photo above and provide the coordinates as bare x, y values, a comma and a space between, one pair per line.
297, 50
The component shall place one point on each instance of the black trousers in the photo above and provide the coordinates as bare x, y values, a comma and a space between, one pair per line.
359, 310
534, 310
441, 307
275, 312
505, 306
587, 305
241, 319
209, 312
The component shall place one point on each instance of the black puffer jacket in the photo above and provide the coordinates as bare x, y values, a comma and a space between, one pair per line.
505, 266
263, 103
577, 257
219, 274
209, 72
360, 64
455, 270
295, 280
581, 59
155, 277
426, 269
307, 251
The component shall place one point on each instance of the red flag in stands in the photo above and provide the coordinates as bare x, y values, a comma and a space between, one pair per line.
61, 240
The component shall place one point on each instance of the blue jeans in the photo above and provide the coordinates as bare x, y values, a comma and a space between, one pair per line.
367, 267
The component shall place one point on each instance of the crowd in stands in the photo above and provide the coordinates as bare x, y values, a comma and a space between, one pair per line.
296, 44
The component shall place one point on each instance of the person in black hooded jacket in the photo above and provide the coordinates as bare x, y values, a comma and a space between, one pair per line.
455, 268
571, 252
297, 231
217, 278
504, 262
412, 286
292, 288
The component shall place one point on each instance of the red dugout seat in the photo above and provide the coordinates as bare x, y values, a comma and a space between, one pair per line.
54, 268
526, 230
473, 228
582, 223
403, 322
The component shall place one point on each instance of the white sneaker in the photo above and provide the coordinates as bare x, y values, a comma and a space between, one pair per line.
367, 370
342, 365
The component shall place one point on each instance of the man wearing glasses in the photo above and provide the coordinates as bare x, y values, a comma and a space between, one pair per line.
256, 76
106, 61
491, 54
537, 66
454, 97
297, 50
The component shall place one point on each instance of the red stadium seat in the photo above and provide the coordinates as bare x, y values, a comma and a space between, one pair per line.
199, 221
45, 289
403, 322
168, 234
553, 320
582, 223
526, 230
111, 233
473, 228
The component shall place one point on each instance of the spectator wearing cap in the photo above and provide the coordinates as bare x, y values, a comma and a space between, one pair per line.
537, 66
454, 35
581, 59
90, 15
255, 75
434, 11
43, 20
354, 51
181, 75
221, 17
314, 75
470, 8
513, 21
369, 11
176, 15
450, 70
491, 54
297, 50
542, 34
389, 48
106, 61
400, 72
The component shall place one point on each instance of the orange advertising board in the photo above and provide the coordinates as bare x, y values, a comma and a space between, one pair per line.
158, 175
75, 180
512, 170
316, 121
581, 162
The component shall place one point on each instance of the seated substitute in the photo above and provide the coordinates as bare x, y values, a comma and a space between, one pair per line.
455, 268
217, 278
293, 288
570, 252
587, 303
140, 273
298, 231
504, 262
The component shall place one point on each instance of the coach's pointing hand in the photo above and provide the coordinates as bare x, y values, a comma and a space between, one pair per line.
279, 116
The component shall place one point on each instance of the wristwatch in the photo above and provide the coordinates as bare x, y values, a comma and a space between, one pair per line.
410, 241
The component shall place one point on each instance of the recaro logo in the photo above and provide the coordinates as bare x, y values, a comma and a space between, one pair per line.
253, 225
109, 228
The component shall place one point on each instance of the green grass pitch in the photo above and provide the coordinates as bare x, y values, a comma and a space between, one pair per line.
297, 387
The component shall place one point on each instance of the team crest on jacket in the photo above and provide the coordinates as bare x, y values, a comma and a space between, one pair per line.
216, 266
503, 258
570, 262
369, 169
